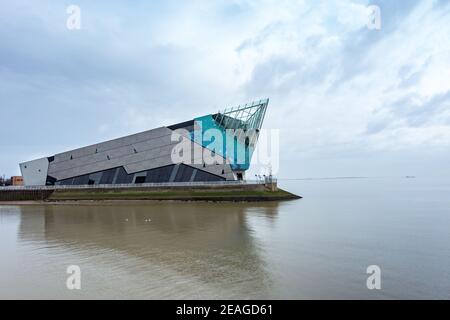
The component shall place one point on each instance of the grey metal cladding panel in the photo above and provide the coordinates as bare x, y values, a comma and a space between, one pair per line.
84, 170
112, 144
90, 159
158, 155
134, 162
149, 164
151, 159
165, 158
135, 138
119, 156
35, 172
165, 150
217, 169
137, 158
65, 156
214, 169
90, 168
229, 176
152, 143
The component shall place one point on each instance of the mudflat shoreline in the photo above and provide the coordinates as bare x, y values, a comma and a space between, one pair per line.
89, 196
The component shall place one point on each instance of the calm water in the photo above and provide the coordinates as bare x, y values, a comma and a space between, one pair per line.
316, 247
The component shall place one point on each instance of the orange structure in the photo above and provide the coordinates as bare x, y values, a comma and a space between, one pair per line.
17, 181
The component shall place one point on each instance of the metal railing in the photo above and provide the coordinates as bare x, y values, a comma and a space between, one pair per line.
142, 185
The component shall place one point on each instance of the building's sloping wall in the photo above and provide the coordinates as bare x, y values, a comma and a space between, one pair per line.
135, 155
34, 172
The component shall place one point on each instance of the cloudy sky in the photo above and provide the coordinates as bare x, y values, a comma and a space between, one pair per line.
348, 100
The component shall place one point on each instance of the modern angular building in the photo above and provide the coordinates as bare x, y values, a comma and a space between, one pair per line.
213, 147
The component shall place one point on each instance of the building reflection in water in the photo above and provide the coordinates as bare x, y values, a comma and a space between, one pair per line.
212, 243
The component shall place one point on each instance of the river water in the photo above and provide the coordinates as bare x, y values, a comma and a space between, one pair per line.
318, 247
